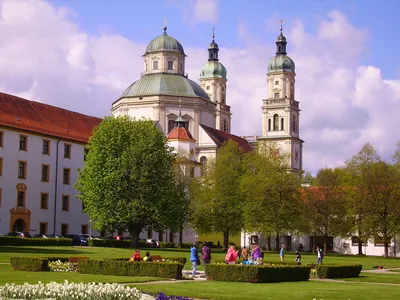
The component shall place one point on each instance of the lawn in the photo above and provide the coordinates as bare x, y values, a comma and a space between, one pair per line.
373, 277
285, 290
8, 275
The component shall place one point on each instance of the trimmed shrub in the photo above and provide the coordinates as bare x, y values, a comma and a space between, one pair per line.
35, 264
126, 268
338, 271
257, 273
167, 245
15, 241
179, 260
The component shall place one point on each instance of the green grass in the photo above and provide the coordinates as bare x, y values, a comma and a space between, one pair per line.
8, 275
286, 290
373, 277
397, 270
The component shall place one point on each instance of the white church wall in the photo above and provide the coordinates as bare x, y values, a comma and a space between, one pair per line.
207, 118
140, 112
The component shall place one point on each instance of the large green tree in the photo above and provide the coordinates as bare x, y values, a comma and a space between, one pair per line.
216, 199
128, 179
271, 191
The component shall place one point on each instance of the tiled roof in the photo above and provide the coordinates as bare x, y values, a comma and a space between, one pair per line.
45, 119
219, 137
180, 133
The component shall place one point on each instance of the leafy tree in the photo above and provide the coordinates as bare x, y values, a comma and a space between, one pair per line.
216, 200
272, 193
128, 177
327, 206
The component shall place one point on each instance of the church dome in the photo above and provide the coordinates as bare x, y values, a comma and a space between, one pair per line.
281, 63
165, 84
213, 69
164, 42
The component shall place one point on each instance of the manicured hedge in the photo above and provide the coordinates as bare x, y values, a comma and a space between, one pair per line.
122, 268
15, 241
35, 264
338, 271
257, 273
167, 245
180, 260
277, 262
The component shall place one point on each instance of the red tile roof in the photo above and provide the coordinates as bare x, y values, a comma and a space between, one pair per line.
219, 137
180, 133
45, 119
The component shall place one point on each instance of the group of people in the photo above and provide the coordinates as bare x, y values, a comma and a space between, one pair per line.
136, 256
194, 256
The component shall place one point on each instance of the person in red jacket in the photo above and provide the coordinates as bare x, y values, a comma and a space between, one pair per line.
135, 256
231, 255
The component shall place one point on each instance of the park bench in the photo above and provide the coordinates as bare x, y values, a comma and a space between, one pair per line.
74, 261
157, 258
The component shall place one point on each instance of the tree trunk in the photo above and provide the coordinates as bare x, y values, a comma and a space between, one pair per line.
134, 231
180, 239
313, 244
269, 243
386, 246
360, 247
226, 239
277, 242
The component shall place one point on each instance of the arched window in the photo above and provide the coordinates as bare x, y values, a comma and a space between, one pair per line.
282, 124
294, 123
203, 161
269, 124
276, 122
225, 125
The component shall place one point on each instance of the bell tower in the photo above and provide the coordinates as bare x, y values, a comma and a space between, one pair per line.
280, 111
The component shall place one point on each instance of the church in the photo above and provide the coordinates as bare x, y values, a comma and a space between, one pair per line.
42, 146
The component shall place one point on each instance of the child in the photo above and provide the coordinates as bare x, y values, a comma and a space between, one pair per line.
147, 257
298, 256
251, 260
231, 255
282, 253
135, 256
258, 261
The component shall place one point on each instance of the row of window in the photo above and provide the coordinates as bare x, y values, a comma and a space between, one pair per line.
45, 174
43, 228
170, 65
276, 124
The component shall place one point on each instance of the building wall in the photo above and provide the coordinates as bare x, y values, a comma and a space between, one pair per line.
34, 158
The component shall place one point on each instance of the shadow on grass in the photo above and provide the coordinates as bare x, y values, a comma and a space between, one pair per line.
39, 251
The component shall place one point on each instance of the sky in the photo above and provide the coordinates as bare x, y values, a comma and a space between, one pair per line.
81, 55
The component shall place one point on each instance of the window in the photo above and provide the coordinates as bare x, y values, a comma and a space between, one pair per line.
171, 125
22, 169
1, 138
1, 166
44, 201
64, 229
269, 124
66, 175
150, 233
276, 95
282, 121
46, 147
225, 125
155, 65
21, 198
276, 82
276, 122
45, 173
84, 229
23, 142
67, 151
294, 123
43, 228
181, 67
170, 65
355, 240
207, 87
65, 203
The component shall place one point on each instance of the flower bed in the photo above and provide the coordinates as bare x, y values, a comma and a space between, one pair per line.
15, 241
257, 273
180, 260
124, 268
59, 266
337, 271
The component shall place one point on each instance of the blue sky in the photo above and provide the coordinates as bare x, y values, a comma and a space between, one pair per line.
82, 54
131, 19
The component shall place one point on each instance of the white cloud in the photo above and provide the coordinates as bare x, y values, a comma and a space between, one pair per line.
46, 57
197, 11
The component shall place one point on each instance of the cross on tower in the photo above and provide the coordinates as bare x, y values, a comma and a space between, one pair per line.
281, 25
165, 24
213, 35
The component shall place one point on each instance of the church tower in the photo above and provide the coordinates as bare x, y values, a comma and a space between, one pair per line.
281, 112
213, 81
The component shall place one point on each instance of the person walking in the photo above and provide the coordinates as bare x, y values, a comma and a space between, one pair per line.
320, 255
205, 253
298, 256
282, 253
194, 258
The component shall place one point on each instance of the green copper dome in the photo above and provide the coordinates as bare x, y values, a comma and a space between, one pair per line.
213, 69
165, 84
164, 43
281, 63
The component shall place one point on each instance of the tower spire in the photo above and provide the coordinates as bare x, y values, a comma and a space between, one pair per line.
281, 42
165, 26
281, 25
213, 49
180, 122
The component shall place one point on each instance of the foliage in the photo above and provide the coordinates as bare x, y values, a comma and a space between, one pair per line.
34, 264
123, 268
60, 266
216, 199
180, 260
257, 273
271, 191
167, 245
162, 296
16, 241
66, 291
338, 271
128, 178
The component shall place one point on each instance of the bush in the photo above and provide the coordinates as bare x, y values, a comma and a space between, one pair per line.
338, 271
257, 273
15, 241
167, 245
179, 260
123, 268
35, 264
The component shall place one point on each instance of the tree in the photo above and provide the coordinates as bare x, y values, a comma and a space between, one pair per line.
128, 177
271, 191
216, 200
327, 206
357, 168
